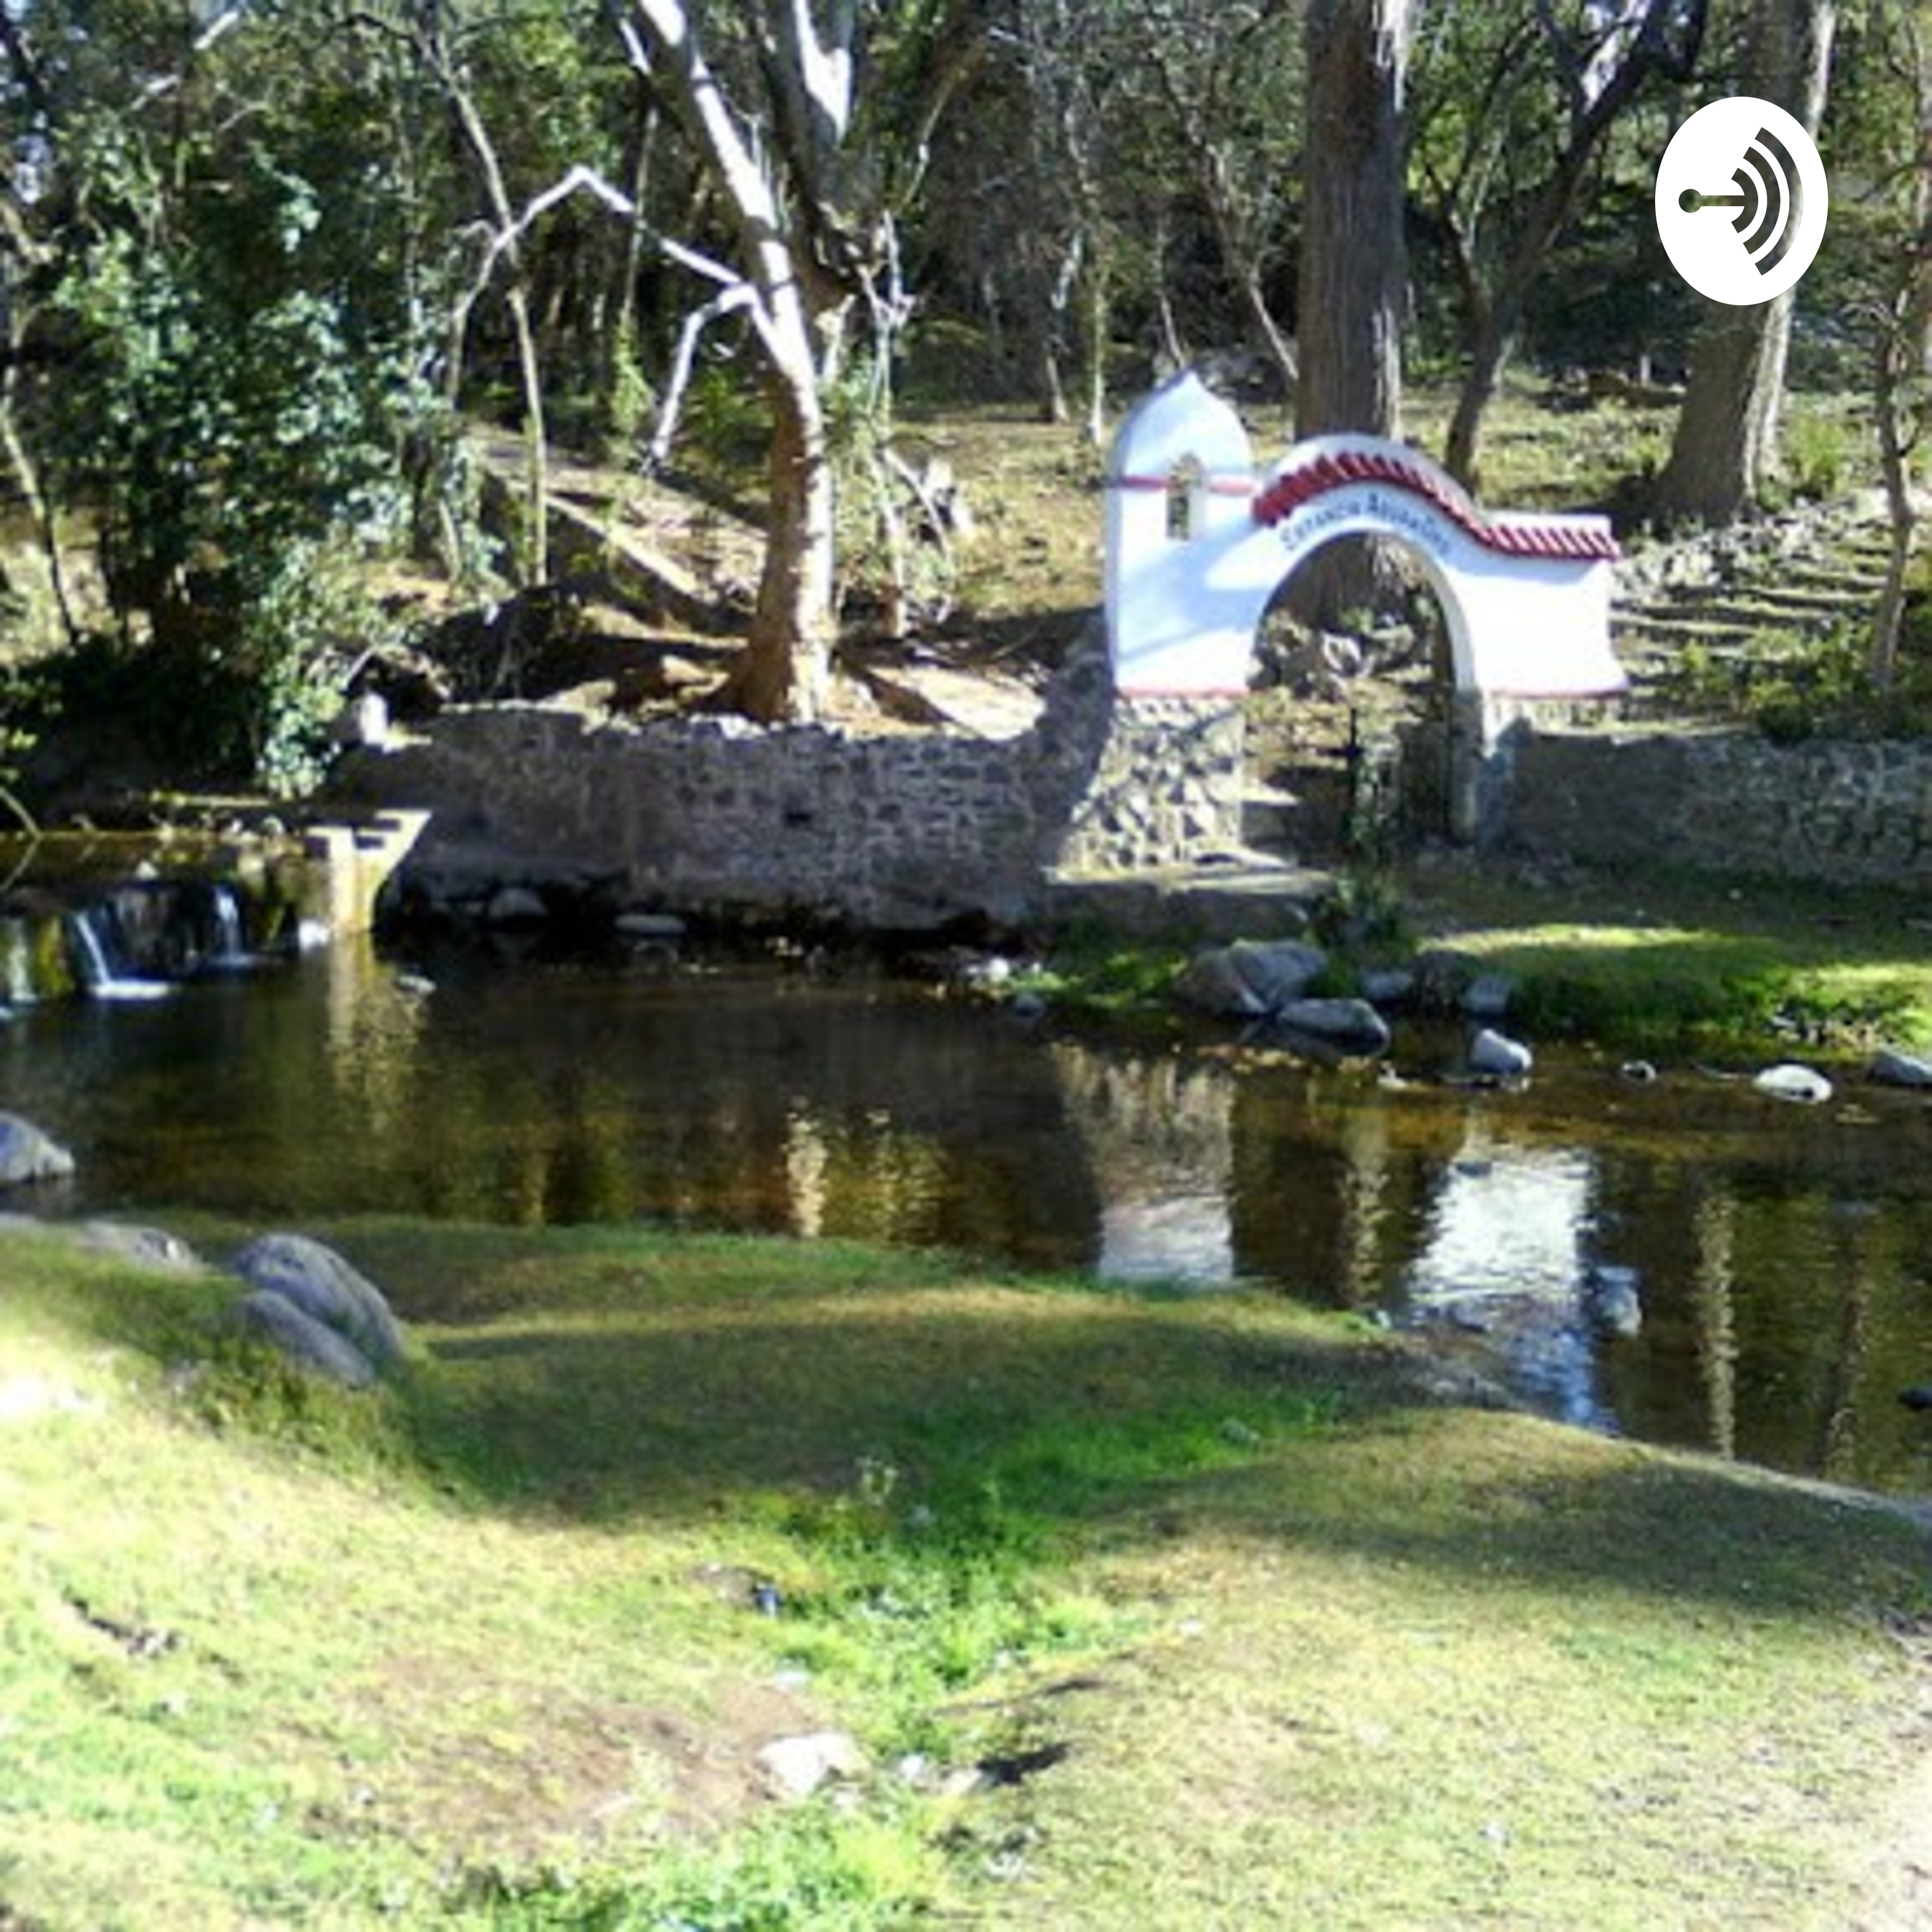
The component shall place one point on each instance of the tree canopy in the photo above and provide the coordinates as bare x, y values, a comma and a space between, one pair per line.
265, 264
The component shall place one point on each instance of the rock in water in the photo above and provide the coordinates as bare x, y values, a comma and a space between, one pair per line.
1804, 1084
1494, 1056
327, 1289
1350, 1026
1489, 997
27, 1154
299, 1338
1892, 1067
1251, 977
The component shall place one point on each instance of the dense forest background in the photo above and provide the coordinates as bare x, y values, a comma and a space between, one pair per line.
264, 267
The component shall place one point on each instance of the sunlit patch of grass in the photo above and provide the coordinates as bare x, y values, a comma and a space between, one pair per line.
1674, 959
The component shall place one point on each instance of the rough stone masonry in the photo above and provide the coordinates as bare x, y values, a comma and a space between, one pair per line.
890, 830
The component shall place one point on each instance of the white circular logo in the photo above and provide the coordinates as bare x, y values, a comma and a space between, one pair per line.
1741, 200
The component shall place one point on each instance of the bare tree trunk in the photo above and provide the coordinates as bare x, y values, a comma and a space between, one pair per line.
1667, 40
1725, 448
786, 668
787, 665
1243, 263
1902, 372
1490, 350
1903, 361
1353, 270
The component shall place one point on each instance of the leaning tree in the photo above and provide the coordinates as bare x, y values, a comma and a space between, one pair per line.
812, 126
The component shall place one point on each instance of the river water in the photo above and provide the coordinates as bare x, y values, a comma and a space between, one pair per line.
1686, 1261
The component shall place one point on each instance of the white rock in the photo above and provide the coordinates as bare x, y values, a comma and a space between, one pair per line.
796, 1767
27, 1154
1804, 1084
1494, 1056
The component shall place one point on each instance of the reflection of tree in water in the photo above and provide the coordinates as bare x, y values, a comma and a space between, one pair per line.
1330, 1183
1157, 1130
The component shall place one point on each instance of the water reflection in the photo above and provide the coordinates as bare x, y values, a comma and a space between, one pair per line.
1505, 1262
1158, 1135
1687, 1263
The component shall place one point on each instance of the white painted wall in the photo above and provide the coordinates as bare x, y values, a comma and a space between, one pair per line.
1183, 610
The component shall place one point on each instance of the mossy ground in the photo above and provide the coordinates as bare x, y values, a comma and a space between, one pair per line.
1237, 1629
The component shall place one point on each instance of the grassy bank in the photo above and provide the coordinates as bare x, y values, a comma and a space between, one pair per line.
1143, 1611
1666, 961
1677, 959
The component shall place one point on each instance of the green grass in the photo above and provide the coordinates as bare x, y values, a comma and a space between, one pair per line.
1673, 959
1246, 1633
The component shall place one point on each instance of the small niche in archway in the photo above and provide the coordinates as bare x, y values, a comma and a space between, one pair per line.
1185, 482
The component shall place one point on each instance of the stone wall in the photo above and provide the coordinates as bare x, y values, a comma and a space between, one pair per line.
1718, 801
887, 828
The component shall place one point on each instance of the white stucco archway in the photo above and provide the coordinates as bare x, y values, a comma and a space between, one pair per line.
1199, 541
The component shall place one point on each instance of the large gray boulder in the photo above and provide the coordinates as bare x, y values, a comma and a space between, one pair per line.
1349, 1026
1251, 978
27, 1154
327, 1289
264, 1315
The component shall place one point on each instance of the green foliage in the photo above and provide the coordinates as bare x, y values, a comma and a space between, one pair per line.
819, 1868
1814, 688
1818, 455
1363, 914
234, 425
303, 612
1092, 970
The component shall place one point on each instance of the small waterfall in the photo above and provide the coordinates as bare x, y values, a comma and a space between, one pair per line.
99, 958
227, 950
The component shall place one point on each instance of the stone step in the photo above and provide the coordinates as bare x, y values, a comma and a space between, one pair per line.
1649, 630
1245, 895
1767, 603
1268, 814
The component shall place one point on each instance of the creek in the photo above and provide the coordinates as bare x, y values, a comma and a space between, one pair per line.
1685, 1262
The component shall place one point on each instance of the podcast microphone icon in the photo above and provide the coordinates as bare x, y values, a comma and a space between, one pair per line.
1778, 211
1770, 199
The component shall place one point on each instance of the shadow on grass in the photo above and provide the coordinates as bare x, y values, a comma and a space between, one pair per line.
980, 1422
